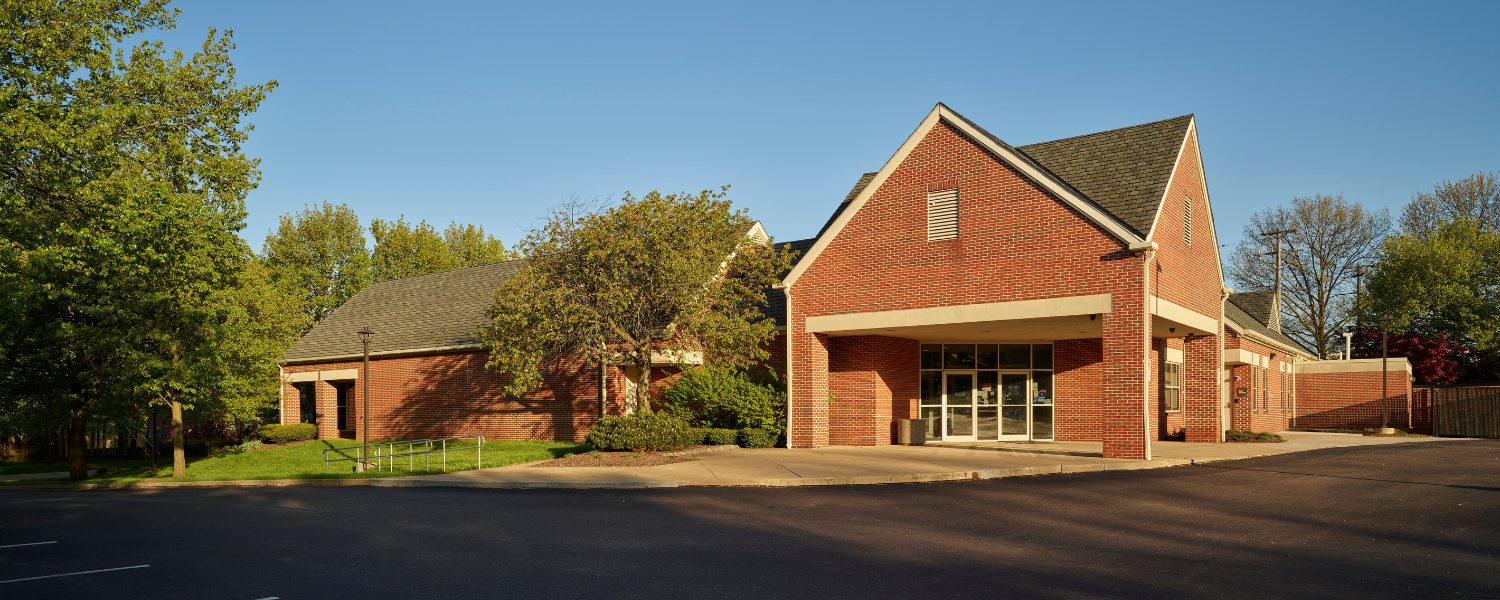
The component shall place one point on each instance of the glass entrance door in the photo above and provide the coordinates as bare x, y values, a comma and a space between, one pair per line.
1014, 424
958, 406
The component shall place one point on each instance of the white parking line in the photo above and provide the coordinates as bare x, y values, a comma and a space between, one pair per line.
31, 544
78, 573
270, 598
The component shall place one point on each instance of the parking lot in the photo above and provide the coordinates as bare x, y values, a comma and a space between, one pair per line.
1384, 521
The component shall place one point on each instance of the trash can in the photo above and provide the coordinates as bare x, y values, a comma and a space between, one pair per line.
911, 432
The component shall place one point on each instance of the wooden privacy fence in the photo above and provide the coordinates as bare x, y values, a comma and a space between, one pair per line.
1465, 412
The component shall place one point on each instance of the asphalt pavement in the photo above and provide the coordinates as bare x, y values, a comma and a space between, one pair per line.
1404, 520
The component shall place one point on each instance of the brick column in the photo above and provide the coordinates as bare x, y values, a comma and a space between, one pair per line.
1126, 369
808, 393
1203, 368
327, 410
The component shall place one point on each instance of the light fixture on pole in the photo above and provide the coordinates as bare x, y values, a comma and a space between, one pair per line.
1385, 323
365, 336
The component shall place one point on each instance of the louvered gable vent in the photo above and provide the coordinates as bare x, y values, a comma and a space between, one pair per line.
1187, 221
942, 215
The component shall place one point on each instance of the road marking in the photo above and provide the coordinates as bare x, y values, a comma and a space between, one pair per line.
31, 544
270, 598
78, 573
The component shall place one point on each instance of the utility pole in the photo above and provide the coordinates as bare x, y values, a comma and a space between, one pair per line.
1359, 289
1276, 313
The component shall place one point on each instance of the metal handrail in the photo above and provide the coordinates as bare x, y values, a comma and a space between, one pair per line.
391, 454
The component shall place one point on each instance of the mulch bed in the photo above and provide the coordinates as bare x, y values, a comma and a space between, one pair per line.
617, 459
1252, 440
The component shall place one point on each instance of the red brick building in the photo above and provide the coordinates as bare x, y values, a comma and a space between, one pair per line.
1067, 290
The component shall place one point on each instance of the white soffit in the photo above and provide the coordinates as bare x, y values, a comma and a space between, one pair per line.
1171, 311
941, 113
1358, 365
963, 313
341, 374
1238, 356
301, 377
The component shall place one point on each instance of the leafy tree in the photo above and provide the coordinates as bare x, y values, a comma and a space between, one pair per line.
1333, 235
1476, 198
470, 247
403, 250
1434, 359
113, 162
666, 274
1443, 282
319, 255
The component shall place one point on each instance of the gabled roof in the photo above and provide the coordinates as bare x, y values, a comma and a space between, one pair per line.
1124, 170
1242, 319
1256, 304
425, 313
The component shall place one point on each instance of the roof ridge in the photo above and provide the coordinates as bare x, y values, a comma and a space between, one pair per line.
1074, 137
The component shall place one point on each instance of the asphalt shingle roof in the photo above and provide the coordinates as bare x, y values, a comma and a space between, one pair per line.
1235, 311
1125, 170
437, 310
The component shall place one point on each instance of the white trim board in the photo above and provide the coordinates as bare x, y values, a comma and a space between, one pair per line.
1358, 365
941, 113
963, 313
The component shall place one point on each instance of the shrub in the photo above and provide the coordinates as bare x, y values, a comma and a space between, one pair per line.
251, 444
751, 437
264, 431
1266, 435
721, 437
642, 433
292, 433
724, 399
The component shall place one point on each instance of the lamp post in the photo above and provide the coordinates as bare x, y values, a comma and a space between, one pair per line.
366, 335
1384, 395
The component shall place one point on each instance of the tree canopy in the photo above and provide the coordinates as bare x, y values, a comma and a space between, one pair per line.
319, 256
1333, 235
670, 275
124, 184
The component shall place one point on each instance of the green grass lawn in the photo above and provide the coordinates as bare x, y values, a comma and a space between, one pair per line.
305, 461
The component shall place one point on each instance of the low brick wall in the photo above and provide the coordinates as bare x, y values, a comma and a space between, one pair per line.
1351, 400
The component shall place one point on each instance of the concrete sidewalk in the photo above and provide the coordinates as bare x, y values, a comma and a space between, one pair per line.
852, 465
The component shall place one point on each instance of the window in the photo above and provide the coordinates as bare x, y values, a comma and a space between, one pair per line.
1171, 380
307, 400
343, 405
1286, 389
942, 215
1187, 221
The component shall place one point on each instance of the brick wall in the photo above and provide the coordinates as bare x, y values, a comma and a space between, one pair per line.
1263, 409
1353, 401
453, 394
873, 380
1078, 374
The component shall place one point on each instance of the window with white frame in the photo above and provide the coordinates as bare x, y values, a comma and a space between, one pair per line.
1171, 380
942, 215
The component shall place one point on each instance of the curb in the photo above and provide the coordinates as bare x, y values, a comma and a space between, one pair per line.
199, 484
416, 482
467, 483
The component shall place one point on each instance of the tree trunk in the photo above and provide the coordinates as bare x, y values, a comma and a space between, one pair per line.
643, 385
78, 468
179, 453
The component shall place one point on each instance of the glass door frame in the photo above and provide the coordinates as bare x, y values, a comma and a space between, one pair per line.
1016, 437
973, 390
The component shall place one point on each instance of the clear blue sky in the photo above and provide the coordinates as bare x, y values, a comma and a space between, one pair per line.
489, 112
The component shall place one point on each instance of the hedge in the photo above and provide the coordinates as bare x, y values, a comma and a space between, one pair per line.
722, 399
751, 437
281, 434
654, 432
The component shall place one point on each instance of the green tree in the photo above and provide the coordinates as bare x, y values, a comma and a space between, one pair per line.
319, 256
114, 162
470, 247
1317, 278
403, 250
669, 274
1445, 280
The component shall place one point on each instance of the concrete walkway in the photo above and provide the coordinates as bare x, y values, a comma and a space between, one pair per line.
850, 465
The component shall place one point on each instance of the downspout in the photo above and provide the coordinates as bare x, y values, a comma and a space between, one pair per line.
787, 316
280, 396
1225, 391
